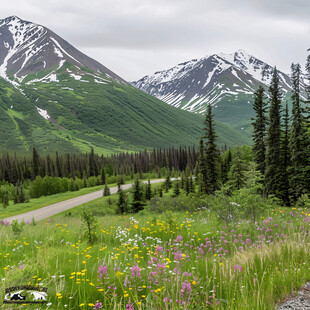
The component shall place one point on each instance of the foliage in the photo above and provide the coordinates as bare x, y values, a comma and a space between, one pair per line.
106, 191
17, 227
205, 252
259, 131
236, 175
299, 177
122, 202
176, 189
148, 190
137, 202
211, 153
273, 169
89, 224
168, 183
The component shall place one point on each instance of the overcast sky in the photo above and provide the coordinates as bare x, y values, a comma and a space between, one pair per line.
134, 38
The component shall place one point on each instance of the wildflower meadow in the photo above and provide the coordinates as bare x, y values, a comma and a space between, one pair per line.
171, 259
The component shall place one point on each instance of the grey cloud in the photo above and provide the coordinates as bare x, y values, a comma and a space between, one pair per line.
136, 37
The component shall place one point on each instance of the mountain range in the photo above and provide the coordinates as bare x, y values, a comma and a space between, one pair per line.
226, 81
54, 97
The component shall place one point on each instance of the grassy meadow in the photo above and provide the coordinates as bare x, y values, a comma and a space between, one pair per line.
178, 253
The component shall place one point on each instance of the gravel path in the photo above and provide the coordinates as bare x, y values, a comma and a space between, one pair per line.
53, 209
299, 302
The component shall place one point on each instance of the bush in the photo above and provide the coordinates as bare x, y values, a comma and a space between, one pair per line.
252, 206
303, 201
17, 227
226, 209
89, 224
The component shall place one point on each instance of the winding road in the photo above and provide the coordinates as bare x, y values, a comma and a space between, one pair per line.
56, 208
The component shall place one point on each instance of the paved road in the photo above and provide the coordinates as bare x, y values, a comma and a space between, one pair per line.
53, 209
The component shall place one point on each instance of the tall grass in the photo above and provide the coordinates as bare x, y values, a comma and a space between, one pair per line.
173, 260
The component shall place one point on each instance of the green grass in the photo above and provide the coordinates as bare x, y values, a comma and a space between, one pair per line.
56, 254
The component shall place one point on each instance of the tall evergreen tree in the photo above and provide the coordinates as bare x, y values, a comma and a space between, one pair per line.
35, 163
192, 184
308, 88
212, 153
103, 180
121, 204
137, 203
259, 130
225, 166
22, 197
84, 179
182, 180
58, 171
187, 186
148, 190
237, 171
273, 169
168, 183
298, 140
106, 191
176, 189
284, 160
93, 169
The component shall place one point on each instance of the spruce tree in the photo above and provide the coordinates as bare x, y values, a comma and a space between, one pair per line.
58, 169
103, 180
259, 130
121, 204
176, 189
237, 172
84, 179
5, 199
22, 198
284, 160
307, 147
35, 163
16, 195
148, 190
212, 153
225, 166
273, 141
137, 203
106, 191
187, 186
298, 141
168, 183
93, 169
192, 185
307, 110
182, 180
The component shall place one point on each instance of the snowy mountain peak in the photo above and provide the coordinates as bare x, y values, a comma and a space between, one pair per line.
10, 19
28, 48
212, 79
13, 17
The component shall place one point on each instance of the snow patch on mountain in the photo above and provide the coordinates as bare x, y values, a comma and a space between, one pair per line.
43, 113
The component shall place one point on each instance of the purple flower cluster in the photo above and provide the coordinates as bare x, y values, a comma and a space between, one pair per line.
136, 271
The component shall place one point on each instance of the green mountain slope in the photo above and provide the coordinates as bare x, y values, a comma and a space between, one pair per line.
94, 111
